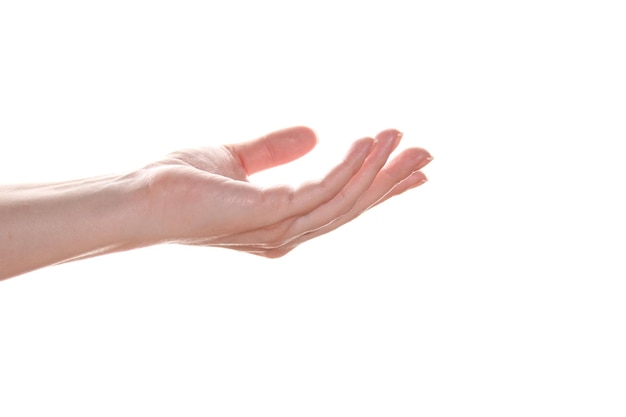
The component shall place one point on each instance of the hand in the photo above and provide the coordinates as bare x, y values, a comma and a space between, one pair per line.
203, 196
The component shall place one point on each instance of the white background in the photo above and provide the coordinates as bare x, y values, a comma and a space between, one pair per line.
496, 289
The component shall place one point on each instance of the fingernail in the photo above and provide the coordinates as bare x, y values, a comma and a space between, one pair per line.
425, 180
396, 141
421, 181
428, 158
422, 158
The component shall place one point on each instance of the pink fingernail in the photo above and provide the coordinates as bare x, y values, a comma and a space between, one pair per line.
420, 182
396, 141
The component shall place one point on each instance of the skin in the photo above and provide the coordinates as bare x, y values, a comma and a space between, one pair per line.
202, 197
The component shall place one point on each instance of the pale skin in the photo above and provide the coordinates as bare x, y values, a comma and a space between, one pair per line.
202, 197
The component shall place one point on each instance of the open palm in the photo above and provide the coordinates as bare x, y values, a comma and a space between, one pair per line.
203, 196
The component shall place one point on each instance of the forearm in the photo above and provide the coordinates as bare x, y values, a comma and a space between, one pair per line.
47, 224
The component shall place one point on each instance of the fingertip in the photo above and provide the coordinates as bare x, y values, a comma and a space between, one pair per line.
276, 148
303, 134
364, 145
420, 177
416, 179
392, 135
419, 157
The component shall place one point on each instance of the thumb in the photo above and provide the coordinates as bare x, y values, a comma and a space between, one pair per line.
274, 149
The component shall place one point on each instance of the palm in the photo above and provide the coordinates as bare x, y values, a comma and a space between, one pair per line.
194, 189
